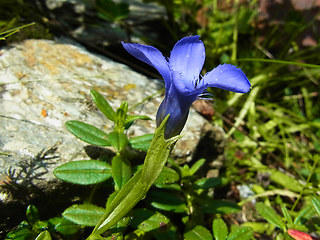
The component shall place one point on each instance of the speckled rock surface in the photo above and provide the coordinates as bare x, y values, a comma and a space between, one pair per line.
45, 83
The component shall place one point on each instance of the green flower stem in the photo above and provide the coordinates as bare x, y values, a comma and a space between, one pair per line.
137, 187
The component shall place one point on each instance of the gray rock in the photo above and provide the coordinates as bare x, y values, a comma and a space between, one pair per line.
45, 83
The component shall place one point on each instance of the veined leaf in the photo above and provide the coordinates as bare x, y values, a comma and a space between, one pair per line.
217, 206
205, 183
286, 181
88, 133
118, 140
21, 234
270, 215
64, 226
167, 201
167, 175
121, 171
196, 166
84, 214
305, 213
142, 142
316, 204
84, 172
147, 220
286, 214
103, 105
219, 228
131, 118
198, 233
45, 235
137, 187
241, 233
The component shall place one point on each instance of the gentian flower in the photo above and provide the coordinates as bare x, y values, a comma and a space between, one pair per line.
183, 83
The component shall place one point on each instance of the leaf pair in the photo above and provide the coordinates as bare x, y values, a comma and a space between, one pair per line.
119, 117
116, 138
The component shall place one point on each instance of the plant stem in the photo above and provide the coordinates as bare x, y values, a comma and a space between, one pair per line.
235, 32
315, 163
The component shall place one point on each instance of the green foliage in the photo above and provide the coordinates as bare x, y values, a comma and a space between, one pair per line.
84, 172
32, 228
121, 171
176, 190
5, 34
88, 133
270, 215
241, 233
64, 226
84, 214
111, 11
103, 105
20, 20
45, 235
198, 233
141, 142
219, 228
272, 139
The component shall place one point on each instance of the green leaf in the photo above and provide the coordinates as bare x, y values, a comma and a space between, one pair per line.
286, 214
147, 220
137, 187
185, 171
84, 172
110, 198
259, 227
112, 11
40, 226
121, 115
64, 226
305, 213
198, 233
132, 118
121, 171
167, 176
142, 142
241, 233
219, 228
122, 111
205, 183
196, 166
21, 234
84, 214
103, 105
94, 236
286, 181
170, 187
32, 214
166, 201
270, 215
212, 206
88, 133
45, 235
316, 204
118, 140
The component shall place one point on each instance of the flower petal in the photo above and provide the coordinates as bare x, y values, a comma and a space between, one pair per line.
186, 61
177, 106
227, 77
151, 56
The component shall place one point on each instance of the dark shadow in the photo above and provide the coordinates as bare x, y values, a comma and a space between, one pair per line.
286, 21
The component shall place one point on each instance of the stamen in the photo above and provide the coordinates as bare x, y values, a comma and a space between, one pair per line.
205, 96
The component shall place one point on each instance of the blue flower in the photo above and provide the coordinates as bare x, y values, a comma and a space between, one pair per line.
183, 83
